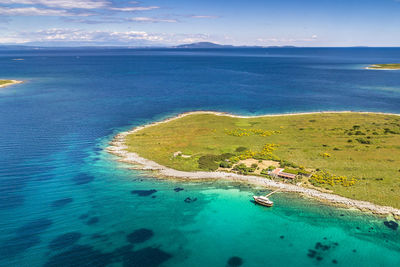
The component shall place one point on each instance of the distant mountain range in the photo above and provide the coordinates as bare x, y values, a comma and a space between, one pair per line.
203, 45
199, 45
212, 45
73, 46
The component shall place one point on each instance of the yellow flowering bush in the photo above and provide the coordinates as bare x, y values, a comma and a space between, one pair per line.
266, 152
326, 178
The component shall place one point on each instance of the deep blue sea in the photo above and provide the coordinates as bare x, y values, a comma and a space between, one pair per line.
65, 202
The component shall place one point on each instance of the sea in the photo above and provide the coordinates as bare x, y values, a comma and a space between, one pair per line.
64, 201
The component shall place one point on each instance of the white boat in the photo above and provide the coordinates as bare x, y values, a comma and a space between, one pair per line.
262, 200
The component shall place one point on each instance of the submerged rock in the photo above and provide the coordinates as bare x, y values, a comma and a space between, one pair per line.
143, 193
83, 178
78, 256
178, 189
321, 249
93, 220
140, 235
65, 240
25, 237
320, 246
392, 225
61, 202
311, 253
146, 257
235, 261
190, 200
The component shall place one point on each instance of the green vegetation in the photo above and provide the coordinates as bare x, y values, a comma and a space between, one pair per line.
4, 82
210, 162
353, 154
243, 169
385, 66
321, 178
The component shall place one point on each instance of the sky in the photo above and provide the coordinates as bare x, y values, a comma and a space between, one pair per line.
311, 23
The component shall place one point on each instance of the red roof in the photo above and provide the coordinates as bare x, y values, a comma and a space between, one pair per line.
287, 175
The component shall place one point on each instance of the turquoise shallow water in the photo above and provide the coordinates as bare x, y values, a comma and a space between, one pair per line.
66, 202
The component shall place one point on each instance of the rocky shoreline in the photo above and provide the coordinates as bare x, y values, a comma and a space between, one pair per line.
117, 147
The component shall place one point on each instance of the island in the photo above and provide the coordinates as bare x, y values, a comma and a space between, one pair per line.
345, 158
4, 83
384, 67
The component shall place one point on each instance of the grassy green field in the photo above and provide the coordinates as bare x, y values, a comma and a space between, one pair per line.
3, 82
385, 66
364, 146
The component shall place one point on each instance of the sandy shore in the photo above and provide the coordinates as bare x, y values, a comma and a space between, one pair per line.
11, 83
117, 147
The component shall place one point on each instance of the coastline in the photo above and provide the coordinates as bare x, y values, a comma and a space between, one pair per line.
379, 67
11, 83
372, 68
117, 147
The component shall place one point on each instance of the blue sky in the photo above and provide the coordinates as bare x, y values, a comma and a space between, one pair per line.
171, 22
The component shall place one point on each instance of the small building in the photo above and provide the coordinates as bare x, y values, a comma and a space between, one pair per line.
287, 175
278, 172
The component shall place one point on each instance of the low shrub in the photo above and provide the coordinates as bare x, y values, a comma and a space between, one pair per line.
363, 141
225, 164
208, 162
284, 163
212, 162
241, 149
243, 169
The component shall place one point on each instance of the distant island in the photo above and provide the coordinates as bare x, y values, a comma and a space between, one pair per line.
347, 158
4, 83
384, 67
67, 46
204, 45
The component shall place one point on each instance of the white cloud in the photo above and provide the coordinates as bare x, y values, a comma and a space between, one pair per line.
152, 20
286, 41
12, 40
134, 9
34, 11
78, 35
191, 38
56, 36
203, 17
67, 4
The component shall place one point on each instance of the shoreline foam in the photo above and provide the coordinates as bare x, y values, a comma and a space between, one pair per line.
117, 147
